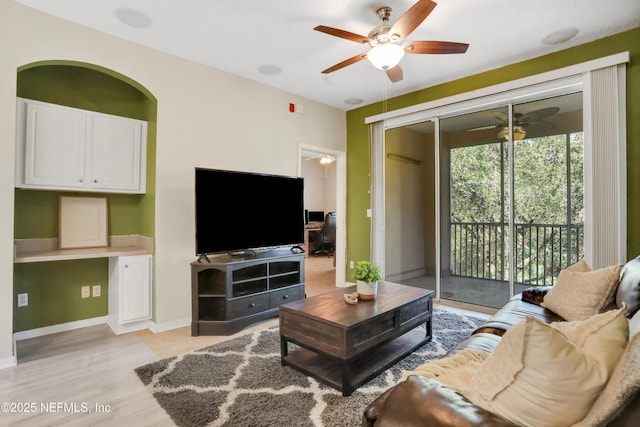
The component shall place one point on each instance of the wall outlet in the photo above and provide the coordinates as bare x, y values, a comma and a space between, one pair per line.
352, 264
85, 292
97, 290
23, 300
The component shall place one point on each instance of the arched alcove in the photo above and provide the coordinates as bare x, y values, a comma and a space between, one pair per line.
54, 287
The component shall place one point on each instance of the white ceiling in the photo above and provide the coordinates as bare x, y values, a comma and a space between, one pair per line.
244, 37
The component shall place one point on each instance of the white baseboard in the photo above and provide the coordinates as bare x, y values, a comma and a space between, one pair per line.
8, 362
406, 275
62, 327
167, 326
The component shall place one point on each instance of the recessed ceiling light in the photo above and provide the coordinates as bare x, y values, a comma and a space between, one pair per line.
270, 70
353, 101
560, 36
133, 18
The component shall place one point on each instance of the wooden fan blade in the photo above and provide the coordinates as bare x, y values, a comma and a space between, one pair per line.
342, 34
346, 62
436, 47
395, 74
412, 18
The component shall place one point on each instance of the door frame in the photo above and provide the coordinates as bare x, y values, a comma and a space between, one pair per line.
341, 205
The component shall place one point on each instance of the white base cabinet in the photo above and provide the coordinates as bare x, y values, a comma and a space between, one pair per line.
129, 293
64, 148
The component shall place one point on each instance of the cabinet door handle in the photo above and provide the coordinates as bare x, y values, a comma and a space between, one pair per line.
285, 296
126, 266
81, 180
253, 304
95, 180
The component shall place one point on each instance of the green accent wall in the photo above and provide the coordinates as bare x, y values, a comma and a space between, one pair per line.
358, 197
54, 287
54, 290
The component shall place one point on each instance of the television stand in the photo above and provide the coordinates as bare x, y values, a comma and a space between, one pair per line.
229, 293
246, 253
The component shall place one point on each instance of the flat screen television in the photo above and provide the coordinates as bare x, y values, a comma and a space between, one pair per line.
242, 212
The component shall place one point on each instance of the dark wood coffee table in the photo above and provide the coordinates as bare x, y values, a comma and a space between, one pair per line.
343, 345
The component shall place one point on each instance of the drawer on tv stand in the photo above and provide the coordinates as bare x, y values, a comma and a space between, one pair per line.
241, 307
283, 296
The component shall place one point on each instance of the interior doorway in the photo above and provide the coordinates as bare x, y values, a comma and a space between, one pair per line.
324, 171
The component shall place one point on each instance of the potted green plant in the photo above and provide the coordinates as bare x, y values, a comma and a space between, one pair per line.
367, 275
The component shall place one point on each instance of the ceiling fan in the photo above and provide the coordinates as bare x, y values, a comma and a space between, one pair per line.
521, 122
384, 40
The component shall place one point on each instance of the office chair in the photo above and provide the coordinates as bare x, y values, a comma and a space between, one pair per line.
328, 235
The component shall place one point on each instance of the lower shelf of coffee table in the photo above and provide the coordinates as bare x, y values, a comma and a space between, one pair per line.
329, 370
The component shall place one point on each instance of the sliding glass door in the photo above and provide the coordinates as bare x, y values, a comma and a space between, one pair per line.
496, 208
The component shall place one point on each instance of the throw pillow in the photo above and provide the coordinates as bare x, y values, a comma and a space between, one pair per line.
536, 366
579, 295
623, 385
454, 371
579, 267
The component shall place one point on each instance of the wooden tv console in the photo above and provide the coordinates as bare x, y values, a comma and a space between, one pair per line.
229, 293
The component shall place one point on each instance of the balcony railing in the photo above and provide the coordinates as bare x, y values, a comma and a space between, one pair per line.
480, 250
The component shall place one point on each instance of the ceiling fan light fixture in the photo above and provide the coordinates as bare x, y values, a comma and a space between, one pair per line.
519, 133
325, 160
385, 56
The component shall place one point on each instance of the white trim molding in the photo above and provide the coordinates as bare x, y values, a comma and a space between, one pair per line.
62, 327
8, 362
560, 73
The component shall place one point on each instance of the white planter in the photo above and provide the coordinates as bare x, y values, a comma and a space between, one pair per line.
366, 291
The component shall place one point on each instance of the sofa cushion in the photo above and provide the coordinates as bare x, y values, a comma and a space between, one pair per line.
514, 312
419, 402
629, 287
579, 295
478, 341
536, 366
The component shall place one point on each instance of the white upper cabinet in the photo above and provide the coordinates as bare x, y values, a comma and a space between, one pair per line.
66, 148
115, 152
54, 146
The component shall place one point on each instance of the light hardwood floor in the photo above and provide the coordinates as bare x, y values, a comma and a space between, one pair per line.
59, 376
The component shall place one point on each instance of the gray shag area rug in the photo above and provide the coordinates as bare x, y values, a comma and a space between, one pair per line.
240, 382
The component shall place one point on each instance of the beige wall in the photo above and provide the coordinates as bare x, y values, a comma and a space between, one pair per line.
206, 118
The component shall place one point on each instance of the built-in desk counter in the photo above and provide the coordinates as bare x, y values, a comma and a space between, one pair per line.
40, 250
130, 274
